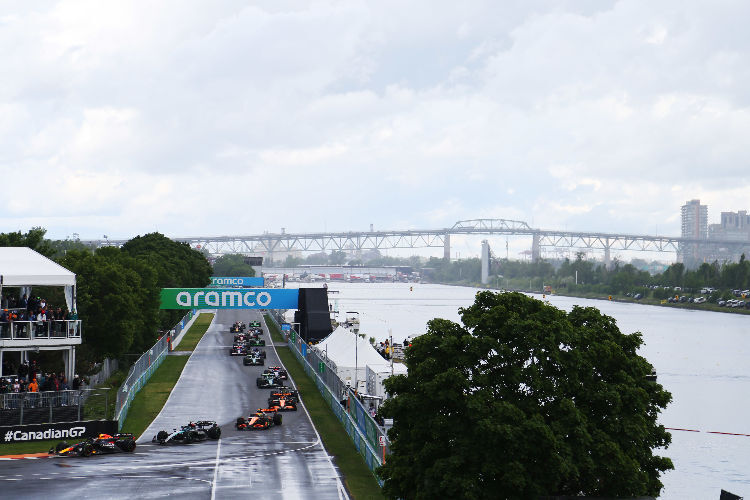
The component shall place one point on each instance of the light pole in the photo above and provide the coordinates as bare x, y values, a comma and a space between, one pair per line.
355, 330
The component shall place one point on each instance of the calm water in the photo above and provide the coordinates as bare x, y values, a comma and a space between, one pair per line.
702, 358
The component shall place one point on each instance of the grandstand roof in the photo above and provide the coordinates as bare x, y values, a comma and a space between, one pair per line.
21, 266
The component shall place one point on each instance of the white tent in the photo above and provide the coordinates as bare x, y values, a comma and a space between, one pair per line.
21, 266
352, 353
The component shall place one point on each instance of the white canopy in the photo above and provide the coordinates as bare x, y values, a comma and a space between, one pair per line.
348, 350
21, 266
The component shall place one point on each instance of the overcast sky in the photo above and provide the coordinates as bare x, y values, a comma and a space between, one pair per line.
226, 117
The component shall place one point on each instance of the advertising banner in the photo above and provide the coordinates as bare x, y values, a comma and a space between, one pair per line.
64, 431
285, 327
229, 298
247, 281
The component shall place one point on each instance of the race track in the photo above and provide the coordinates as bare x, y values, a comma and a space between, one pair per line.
285, 462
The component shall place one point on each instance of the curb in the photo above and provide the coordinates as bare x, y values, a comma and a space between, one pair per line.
26, 456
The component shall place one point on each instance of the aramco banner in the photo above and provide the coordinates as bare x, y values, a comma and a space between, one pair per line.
246, 281
229, 298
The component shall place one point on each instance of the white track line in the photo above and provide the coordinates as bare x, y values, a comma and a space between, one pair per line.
216, 471
341, 490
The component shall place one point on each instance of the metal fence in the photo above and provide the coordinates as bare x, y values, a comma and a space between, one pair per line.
31, 330
19, 408
142, 370
369, 438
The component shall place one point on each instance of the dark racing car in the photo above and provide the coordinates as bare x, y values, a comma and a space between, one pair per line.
238, 350
190, 433
255, 342
254, 324
264, 418
277, 372
237, 327
253, 359
101, 445
269, 381
256, 351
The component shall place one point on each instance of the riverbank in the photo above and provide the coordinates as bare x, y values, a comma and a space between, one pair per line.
706, 306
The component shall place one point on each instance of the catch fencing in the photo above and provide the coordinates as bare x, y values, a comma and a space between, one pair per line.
142, 370
369, 438
23, 408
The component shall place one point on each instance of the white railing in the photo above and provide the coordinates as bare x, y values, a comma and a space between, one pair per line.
33, 330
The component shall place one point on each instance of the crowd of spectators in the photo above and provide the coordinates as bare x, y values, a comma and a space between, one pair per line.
34, 309
31, 378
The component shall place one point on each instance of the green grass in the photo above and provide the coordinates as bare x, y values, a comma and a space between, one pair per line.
27, 447
151, 398
275, 333
359, 480
194, 335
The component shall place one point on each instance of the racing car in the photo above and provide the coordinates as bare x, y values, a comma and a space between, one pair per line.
255, 342
283, 400
254, 324
277, 372
253, 359
264, 418
238, 350
194, 431
100, 445
237, 327
269, 381
256, 331
257, 351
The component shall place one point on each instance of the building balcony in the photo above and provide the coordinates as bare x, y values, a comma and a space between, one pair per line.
25, 334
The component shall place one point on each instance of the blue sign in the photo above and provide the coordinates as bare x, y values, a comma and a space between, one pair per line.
247, 281
304, 349
285, 327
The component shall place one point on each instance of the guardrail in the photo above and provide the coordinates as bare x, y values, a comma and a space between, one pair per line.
142, 370
33, 330
369, 439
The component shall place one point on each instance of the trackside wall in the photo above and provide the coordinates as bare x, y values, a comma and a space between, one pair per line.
362, 429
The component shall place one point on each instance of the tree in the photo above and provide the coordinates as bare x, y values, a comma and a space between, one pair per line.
108, 301
524, 400
232, 265
177, 266
33, 239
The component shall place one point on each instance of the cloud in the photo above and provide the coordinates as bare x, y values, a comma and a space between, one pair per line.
602, 116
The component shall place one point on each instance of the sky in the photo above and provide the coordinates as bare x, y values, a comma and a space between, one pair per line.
196, 118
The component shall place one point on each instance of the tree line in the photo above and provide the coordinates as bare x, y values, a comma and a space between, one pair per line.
118, 288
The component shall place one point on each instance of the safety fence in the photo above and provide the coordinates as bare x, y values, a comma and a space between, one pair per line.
22, 408
142, 370
368, 437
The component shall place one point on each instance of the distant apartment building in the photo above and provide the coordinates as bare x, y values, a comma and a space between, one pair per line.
734, 226
694, 226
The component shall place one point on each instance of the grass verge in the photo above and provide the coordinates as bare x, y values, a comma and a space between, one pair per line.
358, 478
194, 335
151, 398
275, 333
27, 447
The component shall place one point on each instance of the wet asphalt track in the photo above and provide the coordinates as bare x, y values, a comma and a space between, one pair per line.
285, 462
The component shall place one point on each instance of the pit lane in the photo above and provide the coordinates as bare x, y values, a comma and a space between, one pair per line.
284, 462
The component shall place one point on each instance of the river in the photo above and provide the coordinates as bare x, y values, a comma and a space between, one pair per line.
702, 358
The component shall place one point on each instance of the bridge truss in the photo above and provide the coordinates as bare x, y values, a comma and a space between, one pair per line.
270, 243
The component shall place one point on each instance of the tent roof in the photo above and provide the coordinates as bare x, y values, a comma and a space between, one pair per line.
21, 266
341, 349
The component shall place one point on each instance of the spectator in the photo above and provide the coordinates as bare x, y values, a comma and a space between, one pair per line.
23, 371
24, 302
76, 383
33, 386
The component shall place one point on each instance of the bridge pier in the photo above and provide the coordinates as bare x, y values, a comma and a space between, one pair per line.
485, 262
607, 258
536, 252
447, 247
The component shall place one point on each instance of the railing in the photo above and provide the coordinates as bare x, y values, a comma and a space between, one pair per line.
361, 427
33, 330
18, 408
142, 370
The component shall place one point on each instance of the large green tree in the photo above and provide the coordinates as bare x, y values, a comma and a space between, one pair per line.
232, 265
177, 266
33, 238
524, 400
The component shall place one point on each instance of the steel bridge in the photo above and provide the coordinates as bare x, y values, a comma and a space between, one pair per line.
268, 244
